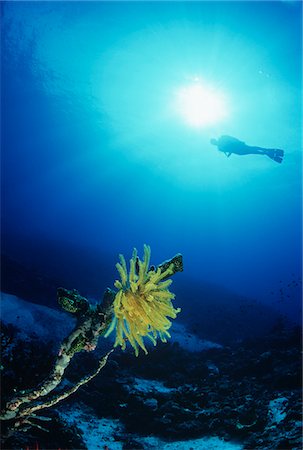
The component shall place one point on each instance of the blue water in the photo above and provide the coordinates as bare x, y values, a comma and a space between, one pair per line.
96, 160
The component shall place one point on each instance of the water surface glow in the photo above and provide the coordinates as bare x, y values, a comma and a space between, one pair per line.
200, 105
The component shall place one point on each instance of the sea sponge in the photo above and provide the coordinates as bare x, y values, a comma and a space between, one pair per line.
142, 304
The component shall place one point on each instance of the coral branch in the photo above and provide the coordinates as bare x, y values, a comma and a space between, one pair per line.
58, 398
92, 322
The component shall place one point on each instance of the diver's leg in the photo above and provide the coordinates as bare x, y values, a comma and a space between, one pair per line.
256, 150
270, 152
273, 153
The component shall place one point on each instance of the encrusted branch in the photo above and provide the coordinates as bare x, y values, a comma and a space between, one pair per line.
177, 262
92, 322
58, 398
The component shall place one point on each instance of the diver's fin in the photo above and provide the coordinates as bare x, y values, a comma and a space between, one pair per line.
278, 159
275, 155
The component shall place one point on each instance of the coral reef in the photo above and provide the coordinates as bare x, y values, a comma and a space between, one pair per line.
236, 393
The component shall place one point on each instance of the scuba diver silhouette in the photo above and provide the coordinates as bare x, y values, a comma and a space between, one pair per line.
229, 145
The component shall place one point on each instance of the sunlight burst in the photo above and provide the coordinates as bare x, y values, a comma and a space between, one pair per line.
200, 105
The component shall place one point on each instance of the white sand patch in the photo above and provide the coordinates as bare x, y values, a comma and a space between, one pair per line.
277, 410
29, 318
102, 433
97, 433
189, 341
148, 386
214, 443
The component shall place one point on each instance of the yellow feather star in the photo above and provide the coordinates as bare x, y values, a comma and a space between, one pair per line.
142, 304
